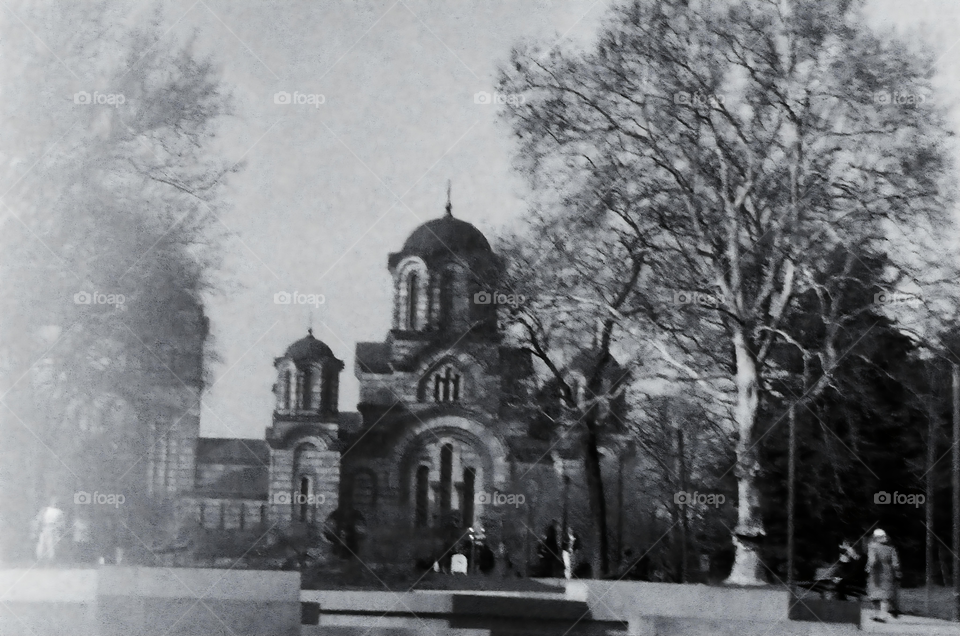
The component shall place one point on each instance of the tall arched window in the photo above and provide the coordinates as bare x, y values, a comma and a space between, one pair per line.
307, 395
413, 300
446, 298
307, 460
328, 392
287, 389
304, 501
469, 492
446, 478
422, 515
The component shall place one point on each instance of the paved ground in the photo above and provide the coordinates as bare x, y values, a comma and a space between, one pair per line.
910, 625
914, 601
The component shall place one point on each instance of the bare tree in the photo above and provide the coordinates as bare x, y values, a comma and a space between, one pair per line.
742, 146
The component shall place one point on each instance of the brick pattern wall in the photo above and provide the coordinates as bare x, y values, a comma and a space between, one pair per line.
171, 456
321, 465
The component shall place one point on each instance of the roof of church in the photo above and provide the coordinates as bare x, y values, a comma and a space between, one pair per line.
246, 482
309, 349
224, 450
443, 236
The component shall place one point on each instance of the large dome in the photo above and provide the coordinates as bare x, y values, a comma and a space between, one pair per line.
308, 349
445, 235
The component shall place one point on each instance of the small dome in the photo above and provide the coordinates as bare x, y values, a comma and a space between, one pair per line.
445, 235
308, 349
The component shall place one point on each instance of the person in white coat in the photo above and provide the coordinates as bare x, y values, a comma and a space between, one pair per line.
49, 526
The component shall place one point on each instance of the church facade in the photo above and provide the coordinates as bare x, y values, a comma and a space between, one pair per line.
442, 438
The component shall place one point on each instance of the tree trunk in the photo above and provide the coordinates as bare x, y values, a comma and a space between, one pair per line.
684, 518
619, 554
931, 459
956, 490
591, 455
747, 568
791, 496
598, 502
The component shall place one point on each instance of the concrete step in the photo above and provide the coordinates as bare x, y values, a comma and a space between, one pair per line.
315, 630
461, 625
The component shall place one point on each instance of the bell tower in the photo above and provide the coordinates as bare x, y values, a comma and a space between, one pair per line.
304, 480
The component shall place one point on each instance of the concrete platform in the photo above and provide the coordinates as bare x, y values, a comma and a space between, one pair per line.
668, 609
135, 601
443, 612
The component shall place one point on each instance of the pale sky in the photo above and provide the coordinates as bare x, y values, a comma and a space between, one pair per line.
329, 191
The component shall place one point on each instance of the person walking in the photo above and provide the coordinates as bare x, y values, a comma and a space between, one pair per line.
82, 540
48, 526
850, 577
883, 572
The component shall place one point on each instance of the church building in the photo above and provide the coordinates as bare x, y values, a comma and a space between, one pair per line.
441, 437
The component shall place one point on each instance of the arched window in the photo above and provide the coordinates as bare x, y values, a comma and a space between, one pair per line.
413, 300
304, 500
328, 393
469, 492
446, 298
422, 515
446, 478
307, 394
446, 385
306, 461
287, 389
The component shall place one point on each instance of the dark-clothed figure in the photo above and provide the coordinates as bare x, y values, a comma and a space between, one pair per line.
850, 575
883, 571
548, 552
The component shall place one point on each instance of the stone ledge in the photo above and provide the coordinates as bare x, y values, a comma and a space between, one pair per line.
617, 600
138, 601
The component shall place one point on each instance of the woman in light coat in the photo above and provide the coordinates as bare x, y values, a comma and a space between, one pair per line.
883, 572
